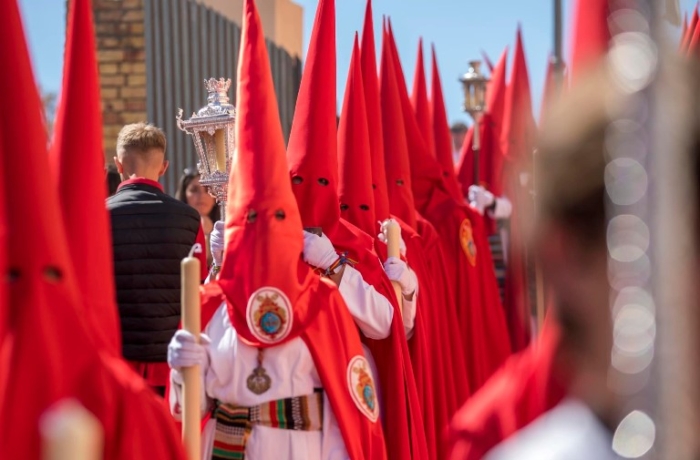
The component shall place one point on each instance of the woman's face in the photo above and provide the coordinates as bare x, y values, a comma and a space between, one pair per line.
198, 197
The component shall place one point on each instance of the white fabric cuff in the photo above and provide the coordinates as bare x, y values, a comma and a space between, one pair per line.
503, 209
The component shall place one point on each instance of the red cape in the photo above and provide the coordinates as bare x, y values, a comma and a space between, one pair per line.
446, 331
333, 342
423, 356
528, 385
440, 380
402, 415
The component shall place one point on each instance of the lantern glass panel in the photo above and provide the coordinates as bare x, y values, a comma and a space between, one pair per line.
209, 145
480, 94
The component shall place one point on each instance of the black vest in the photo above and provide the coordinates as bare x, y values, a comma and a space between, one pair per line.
151, 234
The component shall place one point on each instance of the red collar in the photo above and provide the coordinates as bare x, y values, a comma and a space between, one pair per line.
141, 180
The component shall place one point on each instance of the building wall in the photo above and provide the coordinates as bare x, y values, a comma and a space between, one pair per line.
282, 20
121, 51
154, 56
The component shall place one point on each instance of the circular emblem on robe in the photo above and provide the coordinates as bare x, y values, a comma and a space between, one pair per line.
466, 239
362, 388
269, 315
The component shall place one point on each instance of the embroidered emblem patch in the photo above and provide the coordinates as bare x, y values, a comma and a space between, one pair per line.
269, 315
466, 238
362, 388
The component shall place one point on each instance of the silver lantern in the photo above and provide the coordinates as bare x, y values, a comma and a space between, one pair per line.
474, 84
213, 131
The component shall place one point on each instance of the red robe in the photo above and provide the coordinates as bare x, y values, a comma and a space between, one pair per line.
49, 352
50, 334
528, 385
402, 415
421, 346
469, 262
480, 310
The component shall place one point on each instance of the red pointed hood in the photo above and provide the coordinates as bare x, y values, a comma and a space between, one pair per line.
591, 36
355, 188
263, 227
496, 93
690, 31
374, 117
50, 344
518, 130
441, 132
426, 174
311, 152
77, 160
419, 101
398, 168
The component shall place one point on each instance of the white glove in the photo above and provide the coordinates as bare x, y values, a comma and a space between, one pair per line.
319, 251
383, 230
216, 243
183, 351
480, 198
397, 270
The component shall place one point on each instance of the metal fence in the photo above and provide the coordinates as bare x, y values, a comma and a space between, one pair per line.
186, 42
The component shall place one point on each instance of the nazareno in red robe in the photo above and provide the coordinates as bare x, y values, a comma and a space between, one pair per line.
469, 258
313, 171
51, 353
264, 244
397, 174
405, 433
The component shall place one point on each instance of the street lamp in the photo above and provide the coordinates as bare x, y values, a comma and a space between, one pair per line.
474, 85
213, 131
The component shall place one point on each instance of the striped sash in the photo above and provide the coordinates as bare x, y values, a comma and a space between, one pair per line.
234, 424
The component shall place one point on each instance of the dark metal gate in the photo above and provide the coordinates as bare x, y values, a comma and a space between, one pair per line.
187, 42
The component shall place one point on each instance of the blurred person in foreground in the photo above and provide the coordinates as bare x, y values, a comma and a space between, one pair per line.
151, 233
190, 191
569, 239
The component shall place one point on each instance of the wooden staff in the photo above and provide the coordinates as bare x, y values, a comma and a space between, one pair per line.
70, 432
393, 245
192, 385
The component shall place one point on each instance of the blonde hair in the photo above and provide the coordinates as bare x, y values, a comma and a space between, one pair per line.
140, 138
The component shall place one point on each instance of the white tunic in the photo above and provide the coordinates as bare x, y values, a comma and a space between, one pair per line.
293, 373
570, 431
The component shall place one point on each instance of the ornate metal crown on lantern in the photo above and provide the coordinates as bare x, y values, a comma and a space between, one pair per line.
213, 133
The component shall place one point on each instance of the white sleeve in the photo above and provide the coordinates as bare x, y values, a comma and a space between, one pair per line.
502, 210
372, 311
333, 446
409, 311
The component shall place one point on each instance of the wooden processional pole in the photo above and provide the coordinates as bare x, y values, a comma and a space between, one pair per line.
192, 385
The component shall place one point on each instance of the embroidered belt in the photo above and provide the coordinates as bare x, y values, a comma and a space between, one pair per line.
234, 424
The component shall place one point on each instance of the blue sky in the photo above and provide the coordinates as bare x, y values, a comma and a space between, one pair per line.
460, 29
